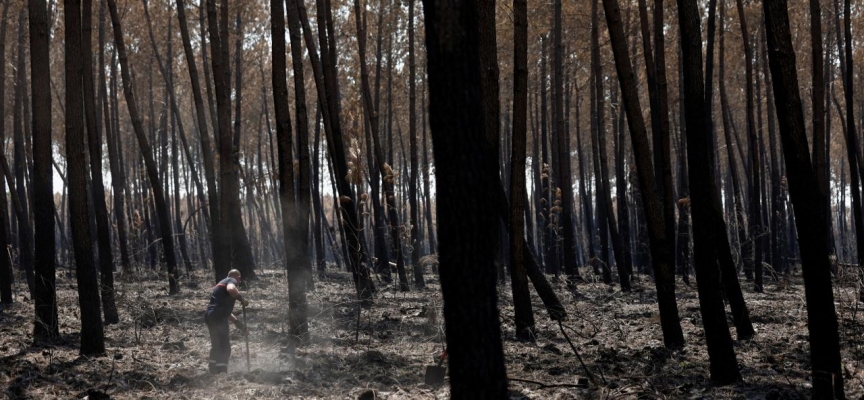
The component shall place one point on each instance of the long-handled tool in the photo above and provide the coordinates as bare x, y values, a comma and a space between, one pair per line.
435, 373
246, 336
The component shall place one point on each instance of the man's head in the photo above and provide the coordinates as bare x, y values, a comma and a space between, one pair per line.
234, 274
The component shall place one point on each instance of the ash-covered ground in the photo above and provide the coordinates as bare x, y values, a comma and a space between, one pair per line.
159, 349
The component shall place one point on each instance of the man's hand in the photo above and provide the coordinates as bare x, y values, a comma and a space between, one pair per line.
242, 327
244, 302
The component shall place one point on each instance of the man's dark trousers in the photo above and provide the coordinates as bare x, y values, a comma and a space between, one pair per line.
220, 344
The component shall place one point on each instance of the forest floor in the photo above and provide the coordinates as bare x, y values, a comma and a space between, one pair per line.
159, 349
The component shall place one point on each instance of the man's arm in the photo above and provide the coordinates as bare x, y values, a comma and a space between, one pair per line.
235, 293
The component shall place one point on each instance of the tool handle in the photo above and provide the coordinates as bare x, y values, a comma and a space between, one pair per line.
247, 338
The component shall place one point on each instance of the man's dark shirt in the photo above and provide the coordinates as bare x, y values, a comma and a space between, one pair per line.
221, 303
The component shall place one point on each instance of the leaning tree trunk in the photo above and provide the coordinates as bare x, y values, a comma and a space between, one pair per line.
661, 255
812, 223
146, 152
728, 271
707, 212
203, 133
362, 280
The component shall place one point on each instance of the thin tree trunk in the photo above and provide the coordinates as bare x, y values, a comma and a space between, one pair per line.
563, 149
146, 152
203, 132
296, 240
25, 234
45, 325
92, 333
364, 285
412, 140
661, 256
94, 142
707, 212
5, 260
524, 315
753, 260
117, 179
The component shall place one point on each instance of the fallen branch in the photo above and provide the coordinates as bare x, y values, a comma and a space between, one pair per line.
549, 385
585, 367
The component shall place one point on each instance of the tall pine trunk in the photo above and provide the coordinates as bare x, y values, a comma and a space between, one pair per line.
146, 152
524, 315
807, 203
92, 333
661, 255
706, 203
45, 325
467, 229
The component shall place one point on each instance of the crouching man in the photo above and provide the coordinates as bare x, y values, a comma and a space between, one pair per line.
217, 316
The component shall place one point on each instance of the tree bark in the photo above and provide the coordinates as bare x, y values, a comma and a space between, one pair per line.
705, 202
752, 260
203, 132
524, 315
661, 255
852, 135
807, 203
45, 326
563, 149
92, 333
5, 260
94, 142
146, 152
296, 240
466, 229
326, 91
117, 178
25, 234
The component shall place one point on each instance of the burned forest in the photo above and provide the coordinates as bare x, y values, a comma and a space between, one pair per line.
431, 199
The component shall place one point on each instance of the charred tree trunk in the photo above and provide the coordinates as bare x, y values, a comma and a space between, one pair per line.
467, 230
5, 261
117, 179
808, 205
753, 260
661, 255
296, 241
563, 149
45, 326
92, 333
25, 234
94, 142
412, 139
203, 132
330, 113
524, 315
146, 152
707, 213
